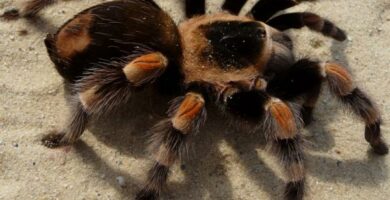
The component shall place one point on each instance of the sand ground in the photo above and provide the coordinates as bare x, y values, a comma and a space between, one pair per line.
226, 164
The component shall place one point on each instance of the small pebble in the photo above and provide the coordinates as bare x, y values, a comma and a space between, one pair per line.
15, 144
121, 181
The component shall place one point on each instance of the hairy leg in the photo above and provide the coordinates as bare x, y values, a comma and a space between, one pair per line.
103, 89
32, 7
28, 8
76, 126
280, 124
265, 9
169, 140
341, 85
309, 103
290, 154
307, 75
311, 20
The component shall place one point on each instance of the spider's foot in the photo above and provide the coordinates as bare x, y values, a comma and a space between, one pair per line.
53, 140
381, 148
146, 195
294, 191
372, 135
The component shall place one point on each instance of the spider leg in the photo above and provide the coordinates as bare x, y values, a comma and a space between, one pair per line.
195, 7
281, 126
305, 77
312, 21
169, 140
265, 9
105, 88
233, 6
32, 7
310, 100
76, 126
28, 9
290, 153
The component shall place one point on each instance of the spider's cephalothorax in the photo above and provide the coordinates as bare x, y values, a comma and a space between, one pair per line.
244, 64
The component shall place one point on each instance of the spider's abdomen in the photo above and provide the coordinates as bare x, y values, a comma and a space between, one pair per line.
113, 31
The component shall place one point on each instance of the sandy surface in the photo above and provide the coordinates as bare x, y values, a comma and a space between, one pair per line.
226, 164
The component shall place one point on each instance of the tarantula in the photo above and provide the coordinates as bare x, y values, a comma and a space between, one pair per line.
243, 64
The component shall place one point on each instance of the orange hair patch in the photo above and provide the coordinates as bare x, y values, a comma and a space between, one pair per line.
74, 37
145, 67
284, 117
339, 79
188, 110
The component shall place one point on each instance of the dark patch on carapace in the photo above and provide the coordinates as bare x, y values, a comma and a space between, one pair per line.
233, 44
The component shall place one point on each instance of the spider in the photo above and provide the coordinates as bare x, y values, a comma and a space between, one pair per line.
243, 64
